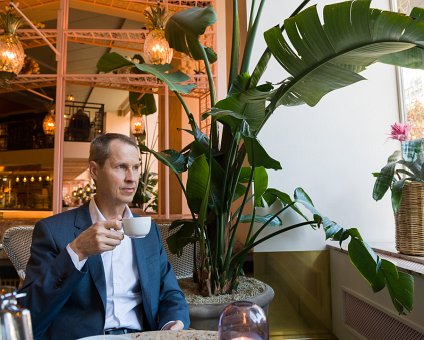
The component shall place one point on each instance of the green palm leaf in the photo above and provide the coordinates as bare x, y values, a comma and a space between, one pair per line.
184, 28
174, 80
183, 236
400, 286
384, 180
322, 58
272, 221
142, 103
197, 183
249, 104
173, 159
112, 61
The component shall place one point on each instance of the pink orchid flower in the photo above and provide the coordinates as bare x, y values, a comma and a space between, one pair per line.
400, 131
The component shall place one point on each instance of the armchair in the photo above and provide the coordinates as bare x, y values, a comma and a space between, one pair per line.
17, 245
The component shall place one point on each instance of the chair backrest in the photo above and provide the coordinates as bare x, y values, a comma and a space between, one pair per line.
183, 266
17, 245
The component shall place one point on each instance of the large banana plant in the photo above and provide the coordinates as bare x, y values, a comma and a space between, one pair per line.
320, 58
332, 56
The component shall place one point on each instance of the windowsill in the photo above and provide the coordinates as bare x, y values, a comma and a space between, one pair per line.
411, 264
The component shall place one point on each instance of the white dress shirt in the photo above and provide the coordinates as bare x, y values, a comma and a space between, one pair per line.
123, 290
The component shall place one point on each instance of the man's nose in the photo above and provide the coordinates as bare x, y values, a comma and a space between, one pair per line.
131, 175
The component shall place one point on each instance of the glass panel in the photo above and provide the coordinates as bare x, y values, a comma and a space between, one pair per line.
26, 187
413, 101
412, 84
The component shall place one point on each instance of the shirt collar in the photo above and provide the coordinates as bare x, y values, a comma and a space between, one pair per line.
96, 215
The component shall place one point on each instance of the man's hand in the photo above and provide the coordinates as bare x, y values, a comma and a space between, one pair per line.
100, 237
173, 326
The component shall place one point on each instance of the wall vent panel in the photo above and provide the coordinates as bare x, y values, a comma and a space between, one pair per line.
374, 324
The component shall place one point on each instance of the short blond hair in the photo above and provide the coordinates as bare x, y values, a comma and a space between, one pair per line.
99, 148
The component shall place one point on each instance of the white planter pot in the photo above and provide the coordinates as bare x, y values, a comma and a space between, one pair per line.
206, 316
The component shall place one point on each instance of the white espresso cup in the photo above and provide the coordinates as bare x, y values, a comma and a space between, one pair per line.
137, 227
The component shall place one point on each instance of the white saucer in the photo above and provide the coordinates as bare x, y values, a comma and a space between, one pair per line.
107, 337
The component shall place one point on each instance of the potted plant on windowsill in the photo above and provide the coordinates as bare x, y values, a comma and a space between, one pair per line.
404, 175
325, 58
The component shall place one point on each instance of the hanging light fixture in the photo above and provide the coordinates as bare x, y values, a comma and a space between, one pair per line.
156, 47
49, 123
137, 125
12, 54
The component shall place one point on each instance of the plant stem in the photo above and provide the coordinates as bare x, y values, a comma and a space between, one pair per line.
252, 9
294, 226
209, 74
233, 216
251, 35
269, 221
252, 223
233, 183
233, 232
214, 126
190, 117
235, 45
227, 169
246, 249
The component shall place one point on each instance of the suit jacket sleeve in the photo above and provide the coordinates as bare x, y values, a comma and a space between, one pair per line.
50, 278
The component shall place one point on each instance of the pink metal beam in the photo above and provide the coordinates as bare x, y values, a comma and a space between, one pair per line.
62, 26
35, 29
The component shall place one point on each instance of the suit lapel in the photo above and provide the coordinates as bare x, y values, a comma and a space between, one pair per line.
138, 245
94, 263
96, 270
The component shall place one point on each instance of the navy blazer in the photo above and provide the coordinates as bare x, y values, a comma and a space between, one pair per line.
66, 303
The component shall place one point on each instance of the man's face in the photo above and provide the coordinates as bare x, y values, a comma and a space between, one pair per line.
117, 180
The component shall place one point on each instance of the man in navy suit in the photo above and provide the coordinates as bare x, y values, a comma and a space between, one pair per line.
85, 277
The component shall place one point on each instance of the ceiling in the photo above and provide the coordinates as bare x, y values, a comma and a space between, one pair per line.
87, 16
81, 59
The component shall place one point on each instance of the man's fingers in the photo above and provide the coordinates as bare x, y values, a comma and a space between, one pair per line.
102, 236
114, 239
113, 224
114, 234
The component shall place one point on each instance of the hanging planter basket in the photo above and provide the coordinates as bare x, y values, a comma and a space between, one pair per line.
410, 220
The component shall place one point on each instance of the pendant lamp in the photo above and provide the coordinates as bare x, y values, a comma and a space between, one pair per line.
156, 47
137, 125
49, 123
12, 54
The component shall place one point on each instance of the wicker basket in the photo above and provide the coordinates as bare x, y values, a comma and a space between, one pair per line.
410, 220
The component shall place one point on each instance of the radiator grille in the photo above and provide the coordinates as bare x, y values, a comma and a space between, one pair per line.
373, 323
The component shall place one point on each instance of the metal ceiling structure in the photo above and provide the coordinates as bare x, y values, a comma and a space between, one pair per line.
84, 46
144, 83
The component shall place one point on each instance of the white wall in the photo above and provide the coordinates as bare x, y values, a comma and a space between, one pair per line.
117, 123
332, 149
76, 150
221, 49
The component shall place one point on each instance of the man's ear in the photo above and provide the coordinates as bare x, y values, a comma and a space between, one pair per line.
94, 167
